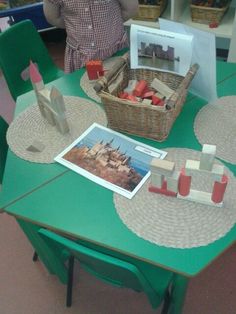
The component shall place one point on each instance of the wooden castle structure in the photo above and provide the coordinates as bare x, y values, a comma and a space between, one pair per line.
166, 180
51, 103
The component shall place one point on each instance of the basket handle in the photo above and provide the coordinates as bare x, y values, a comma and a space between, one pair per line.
111, 74
183, 85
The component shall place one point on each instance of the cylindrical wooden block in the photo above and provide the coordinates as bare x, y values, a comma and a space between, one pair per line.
184, 183
139, 88
219, 190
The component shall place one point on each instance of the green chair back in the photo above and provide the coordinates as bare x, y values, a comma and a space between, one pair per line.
3, 146
19, 44
112, 269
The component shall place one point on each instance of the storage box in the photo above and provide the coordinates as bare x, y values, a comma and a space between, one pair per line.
139, 118
151, 12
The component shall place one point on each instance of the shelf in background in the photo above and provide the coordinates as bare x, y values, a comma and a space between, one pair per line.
166, 15
223, 30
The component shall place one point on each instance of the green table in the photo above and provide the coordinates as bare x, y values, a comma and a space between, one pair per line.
60, 199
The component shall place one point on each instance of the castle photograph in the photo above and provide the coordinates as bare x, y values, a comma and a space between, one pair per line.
110, 159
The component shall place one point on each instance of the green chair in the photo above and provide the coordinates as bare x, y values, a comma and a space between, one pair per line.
3, 146
155, 282
19, 44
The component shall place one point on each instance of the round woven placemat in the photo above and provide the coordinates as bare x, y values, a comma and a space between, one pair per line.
172, 222
87, 85
216, 124
30, 126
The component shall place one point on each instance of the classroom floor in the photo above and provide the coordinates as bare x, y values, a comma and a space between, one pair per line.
27, 288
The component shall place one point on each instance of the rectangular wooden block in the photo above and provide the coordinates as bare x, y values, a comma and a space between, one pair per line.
162, 166
157, 180
200, 197
173, 182
147, 101
131, 86
207, 157
161, 87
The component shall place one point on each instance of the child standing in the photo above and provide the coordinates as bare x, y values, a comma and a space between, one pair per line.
94, 27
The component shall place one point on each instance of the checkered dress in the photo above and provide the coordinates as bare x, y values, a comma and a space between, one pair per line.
94, 30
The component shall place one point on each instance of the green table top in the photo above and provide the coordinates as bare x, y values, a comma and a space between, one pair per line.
53, 196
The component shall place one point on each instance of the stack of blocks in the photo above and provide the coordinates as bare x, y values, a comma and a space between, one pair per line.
51, 103
138, 91
164, 177
166, 180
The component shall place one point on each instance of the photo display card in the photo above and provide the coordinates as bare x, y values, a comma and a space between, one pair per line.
110, 159
160, 50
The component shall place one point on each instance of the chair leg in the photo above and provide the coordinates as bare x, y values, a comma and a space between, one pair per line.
70, 281
166, 305
35, 257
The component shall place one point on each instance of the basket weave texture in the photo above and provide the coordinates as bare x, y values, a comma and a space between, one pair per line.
207, 15
150, 12
141, 119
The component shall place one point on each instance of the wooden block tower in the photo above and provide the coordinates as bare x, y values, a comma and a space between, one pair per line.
51, 103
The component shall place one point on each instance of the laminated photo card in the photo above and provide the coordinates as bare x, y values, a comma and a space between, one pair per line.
160, 50
110, 159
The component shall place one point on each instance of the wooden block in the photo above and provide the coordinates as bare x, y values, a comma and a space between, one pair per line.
219, 190
94, 69
148, 94
184, 183
132, 98
209, 149
147, 101
131, 86
191, 166
140, 88
162, 166
173, 181
207, 157
200, 197
123, 95
36, 147
162, 190
217, 172
156, 100
161, 87
157, 180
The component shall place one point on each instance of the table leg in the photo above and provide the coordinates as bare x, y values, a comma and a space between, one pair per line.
178, 292
52, 259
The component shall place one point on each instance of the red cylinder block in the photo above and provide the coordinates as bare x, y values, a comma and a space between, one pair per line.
184, 183
140, 88
219, 190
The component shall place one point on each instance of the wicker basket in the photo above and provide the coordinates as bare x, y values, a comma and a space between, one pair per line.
140, 119
150, 12
207, 15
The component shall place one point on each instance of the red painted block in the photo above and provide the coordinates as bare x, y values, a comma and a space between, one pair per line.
94, 69
123, 95
162, 190
132, 98
140, 88
213, 25
219, 190
184, 183
148, 94
156, 100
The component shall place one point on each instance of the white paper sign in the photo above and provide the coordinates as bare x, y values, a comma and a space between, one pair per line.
160, 50
204, 54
